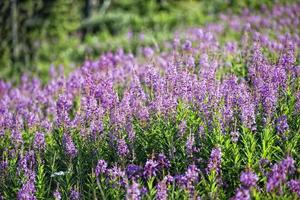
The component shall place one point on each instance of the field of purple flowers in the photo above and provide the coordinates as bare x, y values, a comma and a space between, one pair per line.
212, 114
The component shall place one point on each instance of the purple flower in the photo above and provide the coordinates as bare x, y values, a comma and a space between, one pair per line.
242, 194
191, 176
189, 144
278, 174
134, 171
3, 165
16, 137
130, 131
116, 175
27, 163
122, 148
163, 162
187, 46
201, 131
63, 105
175, 42
182, 128
101, 167
144, 191
39, 141
282, 125
263, 164
234, 136
57, 195
161, 190
169, 179
69, 146
27, 192
74, 195
192, 173
150, 169
133, 191
294, 186
214, 162
148, 52
64, 102
181, 180
190, 62
248, 179
231, 47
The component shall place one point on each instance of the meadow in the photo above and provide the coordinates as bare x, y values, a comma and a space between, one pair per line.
213, 112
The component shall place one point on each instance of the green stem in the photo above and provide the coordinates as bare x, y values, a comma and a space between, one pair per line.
101, 190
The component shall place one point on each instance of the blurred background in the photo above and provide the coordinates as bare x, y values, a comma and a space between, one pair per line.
35, 34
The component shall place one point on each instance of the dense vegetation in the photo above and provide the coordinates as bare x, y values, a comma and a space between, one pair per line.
208, 113
38, 33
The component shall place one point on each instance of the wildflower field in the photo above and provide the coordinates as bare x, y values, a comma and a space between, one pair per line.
213, 113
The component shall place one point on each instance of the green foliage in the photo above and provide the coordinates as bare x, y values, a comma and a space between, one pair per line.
34, 31
56, 32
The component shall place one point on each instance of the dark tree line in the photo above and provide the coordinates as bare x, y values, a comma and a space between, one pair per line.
27, 24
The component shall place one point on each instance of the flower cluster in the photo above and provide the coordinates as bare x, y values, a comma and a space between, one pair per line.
279, 173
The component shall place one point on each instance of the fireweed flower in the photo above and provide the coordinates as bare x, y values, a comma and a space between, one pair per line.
163, 162
27, 192
130, 131
192, 173
181, 181
148, 52
39, 141
150, 168
122, 148
175, 42
57, 195
27, 163
247, 106
234, 136
144, 191
74, 194
282, 125
133, 191
69, 146
269, 98
17, 137
182, 128
169, 179
248, 179
100, 168
263, 164
192, 176
134, 171
96, 128
162, 190
63, 105
116, 175
190, 62
187, 46
201, 131
242, 194
214, 162
3, 165
189, 144
231, 47
278, 174
294, 186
